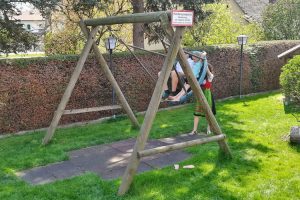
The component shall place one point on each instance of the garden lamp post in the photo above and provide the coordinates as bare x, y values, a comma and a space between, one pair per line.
242, 40
110, 44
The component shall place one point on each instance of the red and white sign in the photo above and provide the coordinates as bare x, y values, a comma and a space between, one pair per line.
182, 18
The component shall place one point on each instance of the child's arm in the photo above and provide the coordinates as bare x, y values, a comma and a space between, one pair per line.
203, 74
210, 75
209, 72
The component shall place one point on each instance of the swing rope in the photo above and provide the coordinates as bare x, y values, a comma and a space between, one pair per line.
133, 54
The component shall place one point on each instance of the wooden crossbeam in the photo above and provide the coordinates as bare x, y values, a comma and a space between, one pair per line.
181, 145
132, 18
94, 109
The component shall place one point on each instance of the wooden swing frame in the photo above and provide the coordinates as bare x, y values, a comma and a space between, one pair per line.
174, 51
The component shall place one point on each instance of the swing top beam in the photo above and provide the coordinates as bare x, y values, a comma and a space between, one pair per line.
132, 18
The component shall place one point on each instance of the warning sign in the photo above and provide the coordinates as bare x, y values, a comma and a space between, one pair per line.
182, 18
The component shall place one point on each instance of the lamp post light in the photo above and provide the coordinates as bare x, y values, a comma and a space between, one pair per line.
242, 40
110, 44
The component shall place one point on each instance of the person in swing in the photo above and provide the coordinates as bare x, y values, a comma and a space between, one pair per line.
197, 66
175, 80
204, 77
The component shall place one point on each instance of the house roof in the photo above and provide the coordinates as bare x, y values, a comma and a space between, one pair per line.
30, 16
253, 9
28, 12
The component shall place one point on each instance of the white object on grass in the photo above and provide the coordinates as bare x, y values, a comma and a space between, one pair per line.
188, 167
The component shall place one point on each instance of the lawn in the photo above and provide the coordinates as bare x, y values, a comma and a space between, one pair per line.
264, 164
22, 55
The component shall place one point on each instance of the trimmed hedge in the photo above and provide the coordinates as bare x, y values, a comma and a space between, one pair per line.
31, 89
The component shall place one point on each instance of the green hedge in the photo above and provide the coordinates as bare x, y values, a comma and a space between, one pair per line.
31, 88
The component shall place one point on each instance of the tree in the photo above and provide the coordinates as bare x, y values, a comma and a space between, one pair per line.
138, 31
220, 28
65, 23
161, 5
281, 20
13, 38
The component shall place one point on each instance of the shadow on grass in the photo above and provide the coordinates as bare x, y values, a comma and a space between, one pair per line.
293, 109
196, 183
295, 147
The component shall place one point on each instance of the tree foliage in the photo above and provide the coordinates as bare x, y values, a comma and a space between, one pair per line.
63, 42
281, 20
154, 30
290, 79
220, 28
64, 23
13, 37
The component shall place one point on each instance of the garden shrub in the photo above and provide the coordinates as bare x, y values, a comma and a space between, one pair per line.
64, 42
290, 79
220, 27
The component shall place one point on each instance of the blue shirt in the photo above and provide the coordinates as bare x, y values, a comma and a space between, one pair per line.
204, 71
196, 66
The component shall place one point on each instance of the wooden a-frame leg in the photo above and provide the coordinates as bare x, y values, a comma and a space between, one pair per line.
151, 112
197, 89
111, 78
70, 87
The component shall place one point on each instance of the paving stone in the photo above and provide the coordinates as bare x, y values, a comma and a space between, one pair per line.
128, 145
99, 161
89, 151
168, 159
38, 175
118, 172
154, 143
124, 146
181, 138
64, 170
121, 163
109, 161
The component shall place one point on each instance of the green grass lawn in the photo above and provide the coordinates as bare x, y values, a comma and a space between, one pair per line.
264, 164
22, 55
